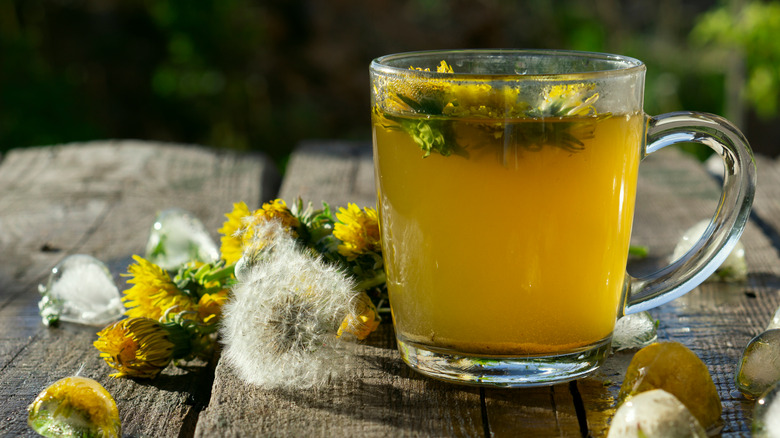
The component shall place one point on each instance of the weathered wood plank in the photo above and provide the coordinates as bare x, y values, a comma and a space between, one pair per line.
766, 206
378, 396
537, 412
101, 199
334, 172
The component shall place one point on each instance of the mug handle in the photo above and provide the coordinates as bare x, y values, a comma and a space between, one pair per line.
729, 220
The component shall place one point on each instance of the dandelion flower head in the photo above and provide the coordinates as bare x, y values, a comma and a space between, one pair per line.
279, 326
569, 100
210, 306
135, 347
152, 292
358, 230
231, 243
241, 224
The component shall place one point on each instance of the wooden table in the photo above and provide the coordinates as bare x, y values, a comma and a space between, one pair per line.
101, 198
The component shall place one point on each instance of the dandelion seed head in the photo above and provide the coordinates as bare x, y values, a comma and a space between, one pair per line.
280, 326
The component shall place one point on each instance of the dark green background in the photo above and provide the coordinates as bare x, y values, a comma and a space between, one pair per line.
251, 75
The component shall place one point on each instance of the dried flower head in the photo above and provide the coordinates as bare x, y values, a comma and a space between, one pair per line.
153, 292
280, 325
358, 230
138, 347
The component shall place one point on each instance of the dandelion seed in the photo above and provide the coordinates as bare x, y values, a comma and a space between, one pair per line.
285, 322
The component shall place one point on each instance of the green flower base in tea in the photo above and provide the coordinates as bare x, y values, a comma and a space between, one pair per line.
507, 246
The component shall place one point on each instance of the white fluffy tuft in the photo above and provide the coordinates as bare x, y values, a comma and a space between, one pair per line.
279, 328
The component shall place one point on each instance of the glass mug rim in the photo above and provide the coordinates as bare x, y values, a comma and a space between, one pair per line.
604, 64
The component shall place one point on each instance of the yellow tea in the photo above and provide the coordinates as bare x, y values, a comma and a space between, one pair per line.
516, 242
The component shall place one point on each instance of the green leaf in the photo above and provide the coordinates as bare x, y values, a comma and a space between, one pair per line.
429, 135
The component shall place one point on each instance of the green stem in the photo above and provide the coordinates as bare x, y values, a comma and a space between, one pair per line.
225, 272
638, 251
372, 282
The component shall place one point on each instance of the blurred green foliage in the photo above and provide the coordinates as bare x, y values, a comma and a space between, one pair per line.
752, 31
263, 76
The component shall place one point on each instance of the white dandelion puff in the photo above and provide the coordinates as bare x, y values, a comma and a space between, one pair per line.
280, 326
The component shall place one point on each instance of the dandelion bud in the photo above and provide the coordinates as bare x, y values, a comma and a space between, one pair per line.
363, 320
142, 347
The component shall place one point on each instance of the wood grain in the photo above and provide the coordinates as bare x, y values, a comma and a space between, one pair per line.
101, 199
377, 396
335, 172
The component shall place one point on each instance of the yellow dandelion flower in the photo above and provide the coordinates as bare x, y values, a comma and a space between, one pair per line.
404, 95
570, 100
152, 292
278, 210
75, 406
210, 306
483, 101
136, 347
238, 231
363, 321
232, 230
444, 67
358, 230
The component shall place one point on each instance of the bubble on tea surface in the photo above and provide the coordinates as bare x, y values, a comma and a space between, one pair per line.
74, 406
671, 366
80, 289
636, 330
733, 269
759, 367
178, 237
654, 414
766, 414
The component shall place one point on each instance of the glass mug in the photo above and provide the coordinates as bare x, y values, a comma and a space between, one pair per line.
506, 184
